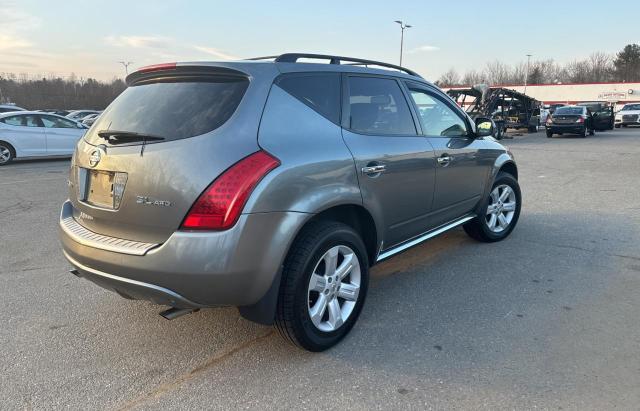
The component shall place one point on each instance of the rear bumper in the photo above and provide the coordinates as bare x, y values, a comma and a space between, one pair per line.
192, 269
568, 128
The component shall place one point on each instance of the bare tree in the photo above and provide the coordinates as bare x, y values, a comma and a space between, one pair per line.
450, 78
473, 77
498, 72
600, 67
42, 92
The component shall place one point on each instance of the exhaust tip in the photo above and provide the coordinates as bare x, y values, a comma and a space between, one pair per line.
173, 312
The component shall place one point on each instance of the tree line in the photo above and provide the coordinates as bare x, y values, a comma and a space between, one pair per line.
51, 92
623, 66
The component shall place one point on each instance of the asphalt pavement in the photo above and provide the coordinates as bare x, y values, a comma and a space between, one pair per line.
549, 318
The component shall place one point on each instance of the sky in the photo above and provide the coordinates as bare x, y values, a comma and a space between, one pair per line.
89, 38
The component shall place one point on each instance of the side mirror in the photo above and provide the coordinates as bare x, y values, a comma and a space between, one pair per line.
484, 127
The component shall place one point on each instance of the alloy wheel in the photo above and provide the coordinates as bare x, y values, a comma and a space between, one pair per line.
333, 288
501, 209
5, 154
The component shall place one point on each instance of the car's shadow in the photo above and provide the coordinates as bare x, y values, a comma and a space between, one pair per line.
450, 293
449, 308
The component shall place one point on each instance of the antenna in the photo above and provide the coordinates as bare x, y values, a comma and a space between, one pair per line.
126, 65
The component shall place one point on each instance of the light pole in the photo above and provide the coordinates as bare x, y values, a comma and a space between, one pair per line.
402, 27
526, 76
126, 65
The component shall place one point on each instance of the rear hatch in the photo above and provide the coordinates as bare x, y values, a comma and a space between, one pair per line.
157, 147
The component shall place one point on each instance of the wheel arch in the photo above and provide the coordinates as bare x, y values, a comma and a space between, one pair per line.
353, 215
510, 168
357, 217
11, 147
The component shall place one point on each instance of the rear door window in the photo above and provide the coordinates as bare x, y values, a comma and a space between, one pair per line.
320, 91
13, 121
57, 122
22, 120
377, 106
174, 109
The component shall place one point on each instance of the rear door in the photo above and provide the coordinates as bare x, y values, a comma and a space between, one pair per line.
461, 167
62, 134
26, 133
395, 165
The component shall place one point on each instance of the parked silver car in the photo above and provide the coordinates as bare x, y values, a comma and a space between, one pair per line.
274, 185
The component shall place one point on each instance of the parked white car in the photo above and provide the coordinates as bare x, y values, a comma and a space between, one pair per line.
78, 115
5, 108
629, 115
36, 134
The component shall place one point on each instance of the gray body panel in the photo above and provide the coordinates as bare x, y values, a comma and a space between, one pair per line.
321, 168
317, 170
232, 267
461, 183
400, 198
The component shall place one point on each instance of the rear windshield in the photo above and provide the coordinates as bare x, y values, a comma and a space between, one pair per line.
173, 110
569, 110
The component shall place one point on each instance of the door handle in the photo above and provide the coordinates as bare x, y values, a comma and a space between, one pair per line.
444, 160
369, 170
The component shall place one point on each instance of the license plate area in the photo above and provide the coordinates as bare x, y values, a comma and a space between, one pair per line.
102, 189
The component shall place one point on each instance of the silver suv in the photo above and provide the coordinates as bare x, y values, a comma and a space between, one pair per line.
274, 185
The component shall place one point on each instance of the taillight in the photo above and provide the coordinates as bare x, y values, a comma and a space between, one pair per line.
220, 205
580, 120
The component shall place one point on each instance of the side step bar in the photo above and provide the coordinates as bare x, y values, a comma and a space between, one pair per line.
422, 238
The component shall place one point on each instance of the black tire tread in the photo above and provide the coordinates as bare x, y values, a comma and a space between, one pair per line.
295, 263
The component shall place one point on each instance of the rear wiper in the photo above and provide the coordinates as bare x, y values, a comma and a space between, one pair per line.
120, 137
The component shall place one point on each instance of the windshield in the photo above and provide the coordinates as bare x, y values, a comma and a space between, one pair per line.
631, 107
574, 111
173, 110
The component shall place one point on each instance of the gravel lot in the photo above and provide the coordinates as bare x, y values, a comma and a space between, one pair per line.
549, 318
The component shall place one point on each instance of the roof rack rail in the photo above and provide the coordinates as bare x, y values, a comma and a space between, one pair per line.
293, 58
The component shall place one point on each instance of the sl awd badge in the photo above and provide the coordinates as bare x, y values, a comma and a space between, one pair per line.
144, 200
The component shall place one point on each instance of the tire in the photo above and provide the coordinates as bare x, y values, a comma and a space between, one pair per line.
499, 133
7, 153
549, 134
480, 227
532, 129
296, 299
